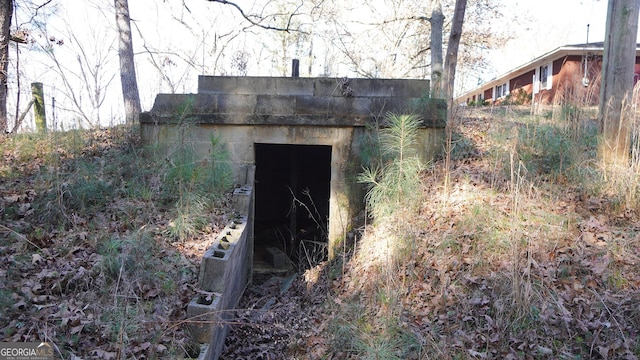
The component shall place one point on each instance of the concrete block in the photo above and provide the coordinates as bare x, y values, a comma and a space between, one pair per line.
217, 84
232, 234
275, 257
372, 87
274, 105
203, 315
237, 104
327, 87
213, 267
241, 199
206, 103
237, 224
256, 85
294, 86
324, 105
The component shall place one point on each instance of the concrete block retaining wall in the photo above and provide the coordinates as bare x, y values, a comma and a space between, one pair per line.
225, 271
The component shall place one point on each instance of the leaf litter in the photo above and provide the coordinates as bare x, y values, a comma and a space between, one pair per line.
557, 277
554, 277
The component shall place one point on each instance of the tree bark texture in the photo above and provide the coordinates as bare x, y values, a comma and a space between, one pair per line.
437, 23
128, 78
6, 11
618, 63
451, 59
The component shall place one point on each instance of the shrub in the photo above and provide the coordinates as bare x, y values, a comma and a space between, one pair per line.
395, 180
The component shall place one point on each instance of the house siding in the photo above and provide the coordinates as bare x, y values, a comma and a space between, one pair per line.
567, 75
488, 94
524, 83
569, 87
569, 82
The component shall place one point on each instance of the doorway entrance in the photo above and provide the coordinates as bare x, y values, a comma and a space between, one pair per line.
292, 189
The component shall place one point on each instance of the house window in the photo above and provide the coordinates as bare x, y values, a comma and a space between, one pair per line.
501, 91
543, 76
543, 79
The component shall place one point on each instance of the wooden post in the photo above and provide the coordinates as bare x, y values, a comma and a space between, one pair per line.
616, 86
295, 68
38, 107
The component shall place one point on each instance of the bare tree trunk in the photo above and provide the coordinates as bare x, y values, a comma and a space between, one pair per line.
128, 79
6, 11
617, 80
451, 60
437, 23
448, 81
21, 117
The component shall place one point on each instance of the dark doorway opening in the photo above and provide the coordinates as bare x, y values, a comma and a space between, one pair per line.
292, 205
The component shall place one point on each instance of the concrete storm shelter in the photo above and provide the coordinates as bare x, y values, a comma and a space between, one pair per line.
285, 137
292, 134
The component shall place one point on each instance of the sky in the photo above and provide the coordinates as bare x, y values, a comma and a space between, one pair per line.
547, 25
554, 23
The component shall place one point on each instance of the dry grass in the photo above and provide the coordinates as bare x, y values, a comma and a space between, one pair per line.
84, 262
527, 254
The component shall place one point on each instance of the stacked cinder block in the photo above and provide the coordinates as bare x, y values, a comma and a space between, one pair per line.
225, 271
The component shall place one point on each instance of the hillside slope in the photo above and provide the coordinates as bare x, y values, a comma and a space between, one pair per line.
100, 243
529, 253
523, 247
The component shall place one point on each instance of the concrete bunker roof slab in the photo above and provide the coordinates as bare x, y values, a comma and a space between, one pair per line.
295, 101
257, 85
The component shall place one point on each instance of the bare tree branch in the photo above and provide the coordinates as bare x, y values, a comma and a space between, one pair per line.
35, 13
20, 118
253, 22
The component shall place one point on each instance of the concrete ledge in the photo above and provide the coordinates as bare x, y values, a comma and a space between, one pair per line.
299, 110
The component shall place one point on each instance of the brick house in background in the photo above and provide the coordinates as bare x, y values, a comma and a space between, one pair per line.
568, 74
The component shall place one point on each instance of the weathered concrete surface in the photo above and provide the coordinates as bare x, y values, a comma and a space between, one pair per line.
243, 111
402, 88
203, 315
232, 109
295, 101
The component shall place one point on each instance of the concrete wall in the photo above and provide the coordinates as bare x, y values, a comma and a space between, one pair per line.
225, 271
242, 111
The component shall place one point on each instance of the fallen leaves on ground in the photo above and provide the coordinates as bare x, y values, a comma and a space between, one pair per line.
92, 272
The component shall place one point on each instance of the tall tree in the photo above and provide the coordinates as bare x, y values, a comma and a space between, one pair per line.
128, 78
6, 11
451, 59
617, 79
395, 40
